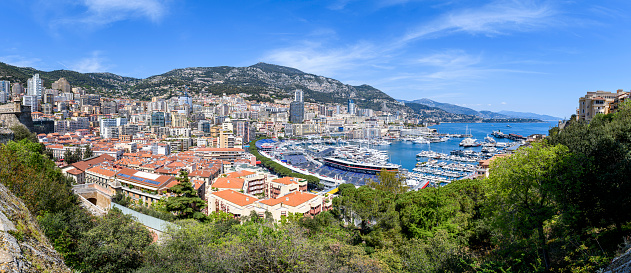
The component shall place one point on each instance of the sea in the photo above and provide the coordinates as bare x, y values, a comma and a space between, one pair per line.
404, 153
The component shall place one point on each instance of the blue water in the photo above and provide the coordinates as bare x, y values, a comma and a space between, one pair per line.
404, 153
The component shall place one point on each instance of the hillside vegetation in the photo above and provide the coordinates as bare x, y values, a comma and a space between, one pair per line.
262, 81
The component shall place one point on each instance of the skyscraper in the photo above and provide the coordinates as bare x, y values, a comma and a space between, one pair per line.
5, 86
34, 86
298, 96
297, 108
351, 106
63, 85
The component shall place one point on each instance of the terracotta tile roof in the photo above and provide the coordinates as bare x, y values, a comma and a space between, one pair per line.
197, 183
297, 198
83, 165
228, 183
103, 171
288, 180
242, 173
74, 171
271, 202
236, 198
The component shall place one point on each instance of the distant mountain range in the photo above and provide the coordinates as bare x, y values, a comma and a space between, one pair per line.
455, 109
262, 82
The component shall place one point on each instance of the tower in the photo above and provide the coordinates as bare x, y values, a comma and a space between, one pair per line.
298, 95
34, 86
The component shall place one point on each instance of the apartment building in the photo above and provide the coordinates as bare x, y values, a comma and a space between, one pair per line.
229, 154
143, 186
307, 204
283, 186
231, 201
594, 103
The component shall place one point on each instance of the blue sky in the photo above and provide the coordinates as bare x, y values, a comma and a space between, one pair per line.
534, 56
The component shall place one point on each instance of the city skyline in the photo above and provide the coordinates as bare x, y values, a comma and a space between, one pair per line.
529, 56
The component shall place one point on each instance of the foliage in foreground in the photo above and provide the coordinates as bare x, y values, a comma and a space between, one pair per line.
555, 206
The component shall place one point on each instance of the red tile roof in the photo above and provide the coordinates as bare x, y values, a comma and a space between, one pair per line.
288, 180
236, 198
228, 183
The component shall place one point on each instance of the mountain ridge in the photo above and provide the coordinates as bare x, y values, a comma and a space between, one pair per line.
262, 81
456, 109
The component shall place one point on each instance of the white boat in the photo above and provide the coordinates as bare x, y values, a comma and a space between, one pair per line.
420, 140
469, 142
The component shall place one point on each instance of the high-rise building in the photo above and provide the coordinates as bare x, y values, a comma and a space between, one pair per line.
35, 86
204, 126
179, 120
297, 108
351, 106
3, 97
63, 85
108, 127
321, 110
158, 119
5, 86
298, 95
32, 102
242, 129
16, 89
297, 112
49, 98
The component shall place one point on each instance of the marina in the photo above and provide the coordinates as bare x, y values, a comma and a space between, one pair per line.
425, 160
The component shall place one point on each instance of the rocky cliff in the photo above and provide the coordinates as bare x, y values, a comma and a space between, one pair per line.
620, 264
23, 246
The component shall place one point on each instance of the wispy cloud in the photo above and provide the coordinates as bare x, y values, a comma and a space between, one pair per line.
103, 12
449, 59
499, 17
315, 58
94, 63
21, 61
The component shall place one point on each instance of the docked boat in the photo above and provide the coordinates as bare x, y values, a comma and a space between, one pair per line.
359, 167
499, 134
420, 140
469, 142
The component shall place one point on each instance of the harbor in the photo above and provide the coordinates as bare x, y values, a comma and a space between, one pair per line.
433, 159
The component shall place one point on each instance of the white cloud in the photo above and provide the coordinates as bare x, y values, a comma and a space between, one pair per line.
94, 63
103, 12
450, 59
491, 19
315, 58
504, 103
21, 61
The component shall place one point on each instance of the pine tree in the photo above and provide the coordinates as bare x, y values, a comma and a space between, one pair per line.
88, 152
77, 155
185, 204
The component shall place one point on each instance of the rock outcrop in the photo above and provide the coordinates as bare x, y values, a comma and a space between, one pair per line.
23, 246
621, 263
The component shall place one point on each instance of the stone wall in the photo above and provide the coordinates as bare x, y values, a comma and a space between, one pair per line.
14, 114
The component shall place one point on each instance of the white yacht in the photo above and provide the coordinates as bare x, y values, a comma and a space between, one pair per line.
469, 142
420, 140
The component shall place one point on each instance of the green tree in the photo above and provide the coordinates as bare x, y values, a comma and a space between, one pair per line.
78, 154
116, 244
87, 153
521, 194
389, 182
185, 203
21, 132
